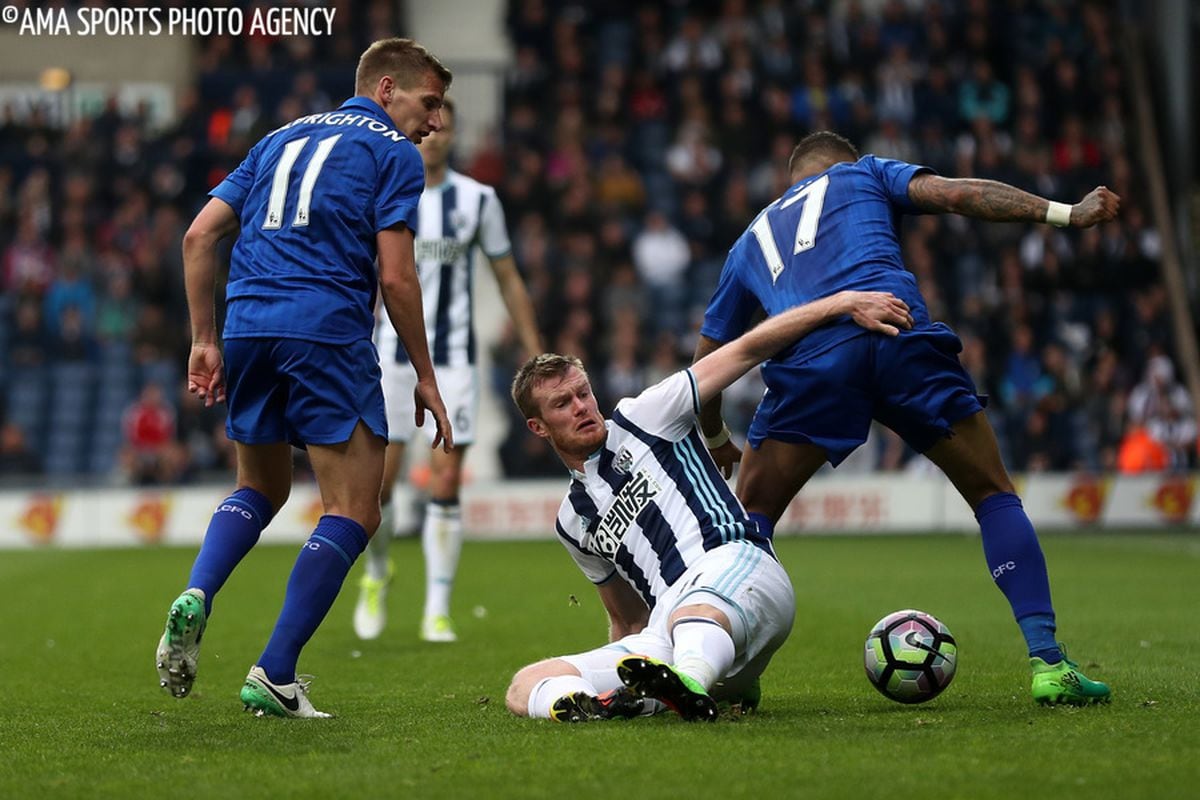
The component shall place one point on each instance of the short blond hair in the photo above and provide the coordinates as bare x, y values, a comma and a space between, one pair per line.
405, 60
536, 370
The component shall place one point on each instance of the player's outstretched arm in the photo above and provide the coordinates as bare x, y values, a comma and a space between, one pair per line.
716, 433
516, 300
881, 312
401, 292
206, 378
999, 202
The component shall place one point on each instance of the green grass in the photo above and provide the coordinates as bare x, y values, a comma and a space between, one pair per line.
81, 713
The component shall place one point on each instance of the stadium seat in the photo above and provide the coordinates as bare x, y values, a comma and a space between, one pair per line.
26, 402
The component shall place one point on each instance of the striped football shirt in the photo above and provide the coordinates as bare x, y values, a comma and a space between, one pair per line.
651, 501
452, 219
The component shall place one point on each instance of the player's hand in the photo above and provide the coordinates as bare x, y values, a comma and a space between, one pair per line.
1100, 205
881, 312
726, 456
206, 374
428, 398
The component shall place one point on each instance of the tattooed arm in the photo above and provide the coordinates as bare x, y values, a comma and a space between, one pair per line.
999, 202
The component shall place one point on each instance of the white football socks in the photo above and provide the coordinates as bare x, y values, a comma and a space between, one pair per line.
703, 650
441, 539
543, 695
377, 549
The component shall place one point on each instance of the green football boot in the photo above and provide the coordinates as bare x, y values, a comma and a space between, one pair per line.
1065, 683
681, 693
179, 648
263, 698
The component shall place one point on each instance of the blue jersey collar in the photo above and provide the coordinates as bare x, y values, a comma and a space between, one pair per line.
368, 105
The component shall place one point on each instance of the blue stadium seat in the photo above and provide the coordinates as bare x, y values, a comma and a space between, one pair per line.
26, 402
64, 451
167, 375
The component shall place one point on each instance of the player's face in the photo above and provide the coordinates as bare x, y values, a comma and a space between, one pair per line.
435, 148
569, 418
417, 111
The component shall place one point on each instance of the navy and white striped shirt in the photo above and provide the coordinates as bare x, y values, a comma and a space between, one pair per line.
452, 219
651, 501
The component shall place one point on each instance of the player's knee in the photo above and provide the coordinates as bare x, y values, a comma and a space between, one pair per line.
517, 696
527, 679
704, 610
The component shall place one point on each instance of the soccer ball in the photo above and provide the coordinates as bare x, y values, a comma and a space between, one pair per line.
910, 656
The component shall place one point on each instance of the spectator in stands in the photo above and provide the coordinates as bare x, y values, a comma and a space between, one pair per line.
1161, 406
16, 457
149, 427
661, 256
28, 261
27, 342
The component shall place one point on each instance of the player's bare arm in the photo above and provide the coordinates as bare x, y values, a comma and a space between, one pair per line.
880, 312
214, 222
999, 202
627, 612
401, 292
716, 435
716, 366
516, 300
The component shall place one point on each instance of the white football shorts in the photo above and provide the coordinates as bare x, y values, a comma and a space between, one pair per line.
459, 387
741, 580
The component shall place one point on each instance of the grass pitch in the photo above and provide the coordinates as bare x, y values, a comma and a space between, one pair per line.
81, 714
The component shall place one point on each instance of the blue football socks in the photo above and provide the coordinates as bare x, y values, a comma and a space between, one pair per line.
233, 530
1015, 560
320, 570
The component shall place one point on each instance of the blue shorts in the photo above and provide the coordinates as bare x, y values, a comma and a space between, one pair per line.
292, 390
913, 383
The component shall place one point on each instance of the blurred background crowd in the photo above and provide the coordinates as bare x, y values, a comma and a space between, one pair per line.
637, 141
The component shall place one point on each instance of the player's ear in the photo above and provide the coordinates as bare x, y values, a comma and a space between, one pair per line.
386, 88
538, 427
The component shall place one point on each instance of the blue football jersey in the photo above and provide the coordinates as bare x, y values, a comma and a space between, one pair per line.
310, 197
831, 232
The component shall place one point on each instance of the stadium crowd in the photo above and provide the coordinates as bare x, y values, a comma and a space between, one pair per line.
638, 140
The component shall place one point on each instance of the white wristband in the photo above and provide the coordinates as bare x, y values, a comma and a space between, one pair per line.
1058, 214
713, 442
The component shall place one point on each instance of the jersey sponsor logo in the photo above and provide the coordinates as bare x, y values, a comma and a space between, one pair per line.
627, 505
445, 250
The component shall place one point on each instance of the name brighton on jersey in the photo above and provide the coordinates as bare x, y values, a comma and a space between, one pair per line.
344, 118
629, 502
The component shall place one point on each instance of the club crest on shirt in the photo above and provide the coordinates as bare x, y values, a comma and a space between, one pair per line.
626, 506
623, 461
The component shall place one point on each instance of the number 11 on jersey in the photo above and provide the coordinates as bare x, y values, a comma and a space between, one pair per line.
282, 176
806, 229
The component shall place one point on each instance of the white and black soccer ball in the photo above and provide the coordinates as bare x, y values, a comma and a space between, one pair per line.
910, 656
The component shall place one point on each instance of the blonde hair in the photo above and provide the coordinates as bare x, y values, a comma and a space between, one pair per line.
405, 60
536, 370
